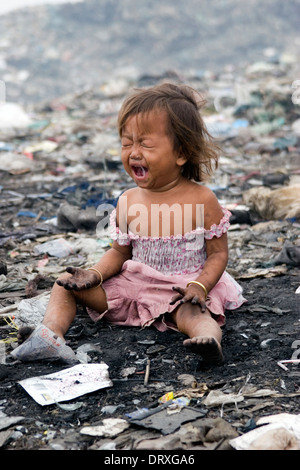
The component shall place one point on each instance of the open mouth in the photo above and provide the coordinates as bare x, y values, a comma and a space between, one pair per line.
139, 171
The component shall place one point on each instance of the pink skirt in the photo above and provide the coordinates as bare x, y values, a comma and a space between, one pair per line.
140, 296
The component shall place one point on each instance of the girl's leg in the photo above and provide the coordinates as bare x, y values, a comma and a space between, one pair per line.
61, 310
62, 306
204, 333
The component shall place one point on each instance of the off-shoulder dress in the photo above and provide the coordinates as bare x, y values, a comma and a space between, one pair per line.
140, 294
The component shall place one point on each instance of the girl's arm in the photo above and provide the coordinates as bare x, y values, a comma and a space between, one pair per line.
217, 257
216, 262
216, 248
109, 265
112, 261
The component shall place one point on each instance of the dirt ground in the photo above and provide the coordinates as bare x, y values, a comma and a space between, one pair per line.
256, 337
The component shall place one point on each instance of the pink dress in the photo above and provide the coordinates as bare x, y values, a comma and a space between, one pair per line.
140, 294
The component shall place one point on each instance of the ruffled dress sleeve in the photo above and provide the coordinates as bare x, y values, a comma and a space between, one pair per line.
115, 233
217, 230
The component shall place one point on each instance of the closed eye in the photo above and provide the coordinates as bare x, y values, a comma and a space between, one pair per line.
125, 143
147, 145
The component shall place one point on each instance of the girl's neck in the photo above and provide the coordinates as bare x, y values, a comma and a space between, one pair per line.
171, 187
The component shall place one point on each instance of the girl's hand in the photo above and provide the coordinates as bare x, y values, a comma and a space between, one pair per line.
80, 279
193, 294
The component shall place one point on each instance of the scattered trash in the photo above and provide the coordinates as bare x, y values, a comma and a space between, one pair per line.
277, 432
287, 361
270, 204
164, 420
166, 398
290, 255
188, 380
128, 371
110, 409
44, 344
15, 163
67, 384
217, 398
59, 248
75, 218
69, 407
83, 350
110, 428
13, 116
31, 311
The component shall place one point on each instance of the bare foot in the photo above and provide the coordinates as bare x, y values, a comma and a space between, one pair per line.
23, 333
208, 347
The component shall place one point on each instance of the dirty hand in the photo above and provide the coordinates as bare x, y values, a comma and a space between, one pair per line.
80, 279
193, 294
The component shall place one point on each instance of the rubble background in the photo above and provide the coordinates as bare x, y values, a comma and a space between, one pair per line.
60, 160
49, 50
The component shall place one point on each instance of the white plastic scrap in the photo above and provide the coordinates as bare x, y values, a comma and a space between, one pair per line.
31, 311
287, 361
110, 427
216, 398
289, 422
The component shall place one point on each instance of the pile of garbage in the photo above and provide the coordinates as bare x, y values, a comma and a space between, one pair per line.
61, 174
47, 50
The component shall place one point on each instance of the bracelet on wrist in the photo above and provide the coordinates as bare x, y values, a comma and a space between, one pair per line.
100, 275
198, 284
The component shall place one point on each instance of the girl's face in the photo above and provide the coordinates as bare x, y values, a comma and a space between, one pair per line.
147, 152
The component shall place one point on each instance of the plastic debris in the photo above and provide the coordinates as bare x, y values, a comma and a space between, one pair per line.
15, 163
290, 255
287, 361
277, 432
110, 428
59, 248
217, 398
280, 203
44, 344
166, 422
31, 311
13, 116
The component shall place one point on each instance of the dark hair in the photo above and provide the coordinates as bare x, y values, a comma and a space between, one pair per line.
185, 126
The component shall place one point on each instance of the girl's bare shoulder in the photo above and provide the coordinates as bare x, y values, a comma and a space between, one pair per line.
131, 192
128, 195
212, 209
203, 193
